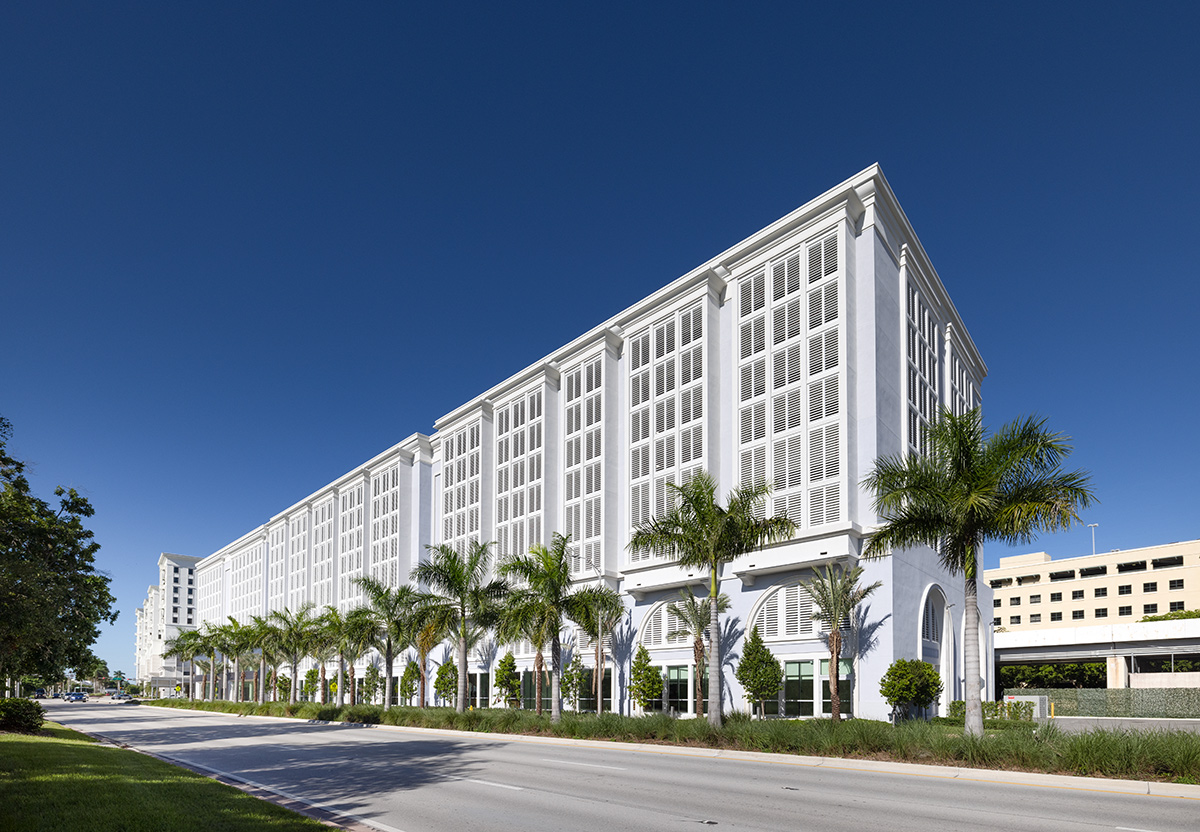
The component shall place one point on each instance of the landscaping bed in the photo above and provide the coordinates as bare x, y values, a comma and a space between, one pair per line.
1171, 756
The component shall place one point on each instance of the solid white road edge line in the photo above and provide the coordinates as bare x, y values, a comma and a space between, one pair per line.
586, 765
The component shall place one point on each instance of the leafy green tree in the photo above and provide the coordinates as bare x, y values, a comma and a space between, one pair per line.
645, 680
372, 682
759, 672
541, 598
836, 592
392, 610
311, 681
296, 631
445, 684
1070, 675
574, 677
508, 681
52, 600
968, 488
461, 597
265, 639
352, 634
283, 685
910, 682
703, 535
693, 617
408, 682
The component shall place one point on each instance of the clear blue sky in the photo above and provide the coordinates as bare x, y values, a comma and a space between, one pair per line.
244, 247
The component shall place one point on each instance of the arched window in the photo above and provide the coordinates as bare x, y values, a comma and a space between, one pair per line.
931, 617
658, 624
786, 613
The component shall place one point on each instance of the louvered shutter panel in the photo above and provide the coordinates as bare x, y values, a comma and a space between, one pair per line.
752, 291
754, 466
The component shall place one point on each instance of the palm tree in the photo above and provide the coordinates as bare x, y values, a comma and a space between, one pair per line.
428, 635
295, 632
350, 633
265, 640
185, 647
695, 617
597, 610
704, 535
836, 594
236, 640
462, 597
392, 611
206, 644
539, 604
968, 488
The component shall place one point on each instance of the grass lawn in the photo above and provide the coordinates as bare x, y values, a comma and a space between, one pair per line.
63, 780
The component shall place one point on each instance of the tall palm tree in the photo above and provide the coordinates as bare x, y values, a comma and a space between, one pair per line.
540, 601
597, 610
429, 635
206, 643
703, 535
695, 617
264, 640
323, 649
836, 594
236, 641
351, 633
968, 488
295, 632
391, 608
461, 597
185, 647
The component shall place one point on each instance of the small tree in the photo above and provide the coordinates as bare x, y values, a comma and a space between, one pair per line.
372, 682
573, 680
445, 684
910, 683
759, 672
284, 686
645, 680
408, 682
508, 681
312, 678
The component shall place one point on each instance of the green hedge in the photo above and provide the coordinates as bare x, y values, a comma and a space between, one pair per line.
1162, 703
21, 716
995, 710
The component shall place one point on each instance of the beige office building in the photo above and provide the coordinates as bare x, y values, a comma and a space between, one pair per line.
1033, 592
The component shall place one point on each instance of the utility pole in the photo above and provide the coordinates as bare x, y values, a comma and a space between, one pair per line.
1093, 526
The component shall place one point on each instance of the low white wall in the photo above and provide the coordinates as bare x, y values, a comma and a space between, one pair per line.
1164, 680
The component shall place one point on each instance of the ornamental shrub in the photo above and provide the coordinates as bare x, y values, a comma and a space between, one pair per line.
645, 681
759, 671
22, 716
409, 682
445, 684
910, 683
508, 681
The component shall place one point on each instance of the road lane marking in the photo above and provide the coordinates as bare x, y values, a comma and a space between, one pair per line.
1132, 829
588, 765
489, 783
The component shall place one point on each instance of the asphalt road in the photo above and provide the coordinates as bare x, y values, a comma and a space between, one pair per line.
406, 780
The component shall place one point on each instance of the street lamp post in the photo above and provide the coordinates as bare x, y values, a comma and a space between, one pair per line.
1093, 526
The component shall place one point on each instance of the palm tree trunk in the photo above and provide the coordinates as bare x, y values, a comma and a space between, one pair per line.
341, 679
462, 669
555, 679
351, 687
599, 674
835, 654
324, 686
539, 665
388, 662
714, 661
261, 681
698, 656
974, 717
293, 686
424, 676
212, 678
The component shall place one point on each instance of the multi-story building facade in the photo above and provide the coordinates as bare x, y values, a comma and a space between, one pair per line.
169, 609
795, 357
1034, 592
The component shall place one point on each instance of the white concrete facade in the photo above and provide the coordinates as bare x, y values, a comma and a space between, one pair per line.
169, 609
795, 357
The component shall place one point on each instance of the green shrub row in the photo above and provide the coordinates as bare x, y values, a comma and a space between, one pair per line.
1161, 703
21, 716
995, 710
1020, 745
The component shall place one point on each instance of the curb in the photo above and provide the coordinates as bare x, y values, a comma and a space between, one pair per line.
974, 775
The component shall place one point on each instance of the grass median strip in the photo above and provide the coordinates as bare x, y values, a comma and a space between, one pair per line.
60, 779
1170, 756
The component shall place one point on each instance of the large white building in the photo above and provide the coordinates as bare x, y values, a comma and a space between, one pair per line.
795, 357
169, 609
